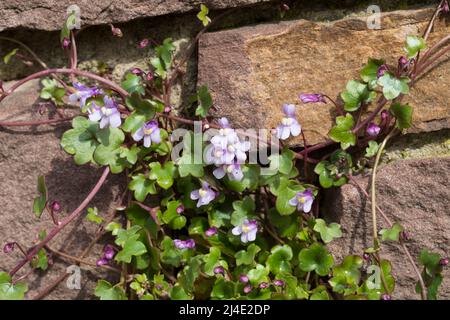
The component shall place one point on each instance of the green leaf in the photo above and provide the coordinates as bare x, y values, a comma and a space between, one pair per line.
369, 73
133, 83
9, 291
242, 210
51, 91
391, 234
212, 260
163, 175
372, 149
130, 248
355, 94
177, 293
327, 233
105, 291
413, 45
203, 15
347, 275
284, 195
81, 140
258, 274
393, 86
92, 215
278, 261
108, 152
144, 110
223, 289
282, 162
129, 154
205, 102
9, 55
403, 114
315, 258
430, 261
190, 273
40, 201
247, 257
142, 187
190, 164
286, 226
342, 132
40, 261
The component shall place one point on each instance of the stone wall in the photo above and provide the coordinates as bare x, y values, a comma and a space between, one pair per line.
253, 62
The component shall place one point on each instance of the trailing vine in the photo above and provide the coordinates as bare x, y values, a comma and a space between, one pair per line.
199, 218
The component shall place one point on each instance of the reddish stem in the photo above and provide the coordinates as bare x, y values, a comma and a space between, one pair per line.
33, 123
62, 224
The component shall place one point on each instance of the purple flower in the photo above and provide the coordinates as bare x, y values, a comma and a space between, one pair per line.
9, 247
83, 93
211, 232
149, 132
243, 278
373, 130
247, 230
184, 244
312, 98
303, 201
219, 270
204, 195
102, 262
233, 171
108, 252
223, 122
289, 125
108, 114
381, 71
278, 283
263, 285
247, 289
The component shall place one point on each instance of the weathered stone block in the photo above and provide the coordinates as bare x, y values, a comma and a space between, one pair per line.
414, 193
48, 14
252, 71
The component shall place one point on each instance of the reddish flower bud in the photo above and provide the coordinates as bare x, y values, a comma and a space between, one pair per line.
366, 256
445, 7
55, 206
285, 7
9, 247
149, 76
180, 209
66, 43
143, 43
219, 270
247, 289
211, 231
243, 278
102, 262
384, 114
108, 252
278, 283
263, 285
386, 297
443, 262
136, 71
167, 109
116, 32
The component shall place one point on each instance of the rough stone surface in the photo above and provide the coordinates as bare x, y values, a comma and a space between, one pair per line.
48, 14
26, 153
414, 193
252, 71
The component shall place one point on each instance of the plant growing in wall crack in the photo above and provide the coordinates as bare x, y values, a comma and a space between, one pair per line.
199, 218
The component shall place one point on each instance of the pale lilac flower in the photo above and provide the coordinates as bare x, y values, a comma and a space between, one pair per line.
219, 270
243, 278
83, 93
107, 114
247, 230
149, 132
184, 244
9, 247
312, 98
278, 283
204, 195
289, 125
303, 201
247, 289
373, 129
211, 232
263, 285
233, 171
381, 71
108, 252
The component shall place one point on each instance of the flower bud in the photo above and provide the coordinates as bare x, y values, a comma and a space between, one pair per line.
136, 71
366, 256
381, 71
102, 262
278, 283
402, 61
108, 252
167, 109
243, 278
445, 7
247, 289
443, 262
143, 43
180, 209
263, 285
373, 129
211, 232
385, 296
55, 206
9, 247
384, 114
149, 76
66, 43
116, 32
285, 7
219, 270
